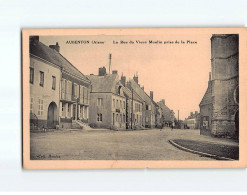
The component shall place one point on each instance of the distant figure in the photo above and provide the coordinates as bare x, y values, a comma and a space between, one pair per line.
162, 126
172, 125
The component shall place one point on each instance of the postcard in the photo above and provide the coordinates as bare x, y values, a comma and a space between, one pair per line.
134, 98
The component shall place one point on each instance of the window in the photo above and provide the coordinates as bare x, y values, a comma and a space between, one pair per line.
41, 82
31, 75
87, 95
124, 104
123, 118
99, 117
84, 92
53, 82
68, 108
117, 103
85, 112
119, 90
68, 90
120, 117
100, 102
62, 107
113, 118
120, 104
116, 117
41, 107
31, 105
146, 107
114, 105
63, 89
76, 90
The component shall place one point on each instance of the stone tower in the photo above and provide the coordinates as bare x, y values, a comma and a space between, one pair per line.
225, 82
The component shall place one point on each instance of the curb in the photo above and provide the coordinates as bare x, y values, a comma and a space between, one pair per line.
199, 153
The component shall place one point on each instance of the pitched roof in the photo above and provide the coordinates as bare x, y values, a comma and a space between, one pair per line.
163, 106
51, 55
143, 92
105, 83
167, 112
128, 93
207, 98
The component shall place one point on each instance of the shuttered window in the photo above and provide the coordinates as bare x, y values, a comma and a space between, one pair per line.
41, 107
42, 79
53, 82
31, 75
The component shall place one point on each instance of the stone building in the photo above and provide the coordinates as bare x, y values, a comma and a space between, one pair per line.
193, 121
107, 101
149, 110
44, 88
62, 92
168, 115
219, 106
134, 107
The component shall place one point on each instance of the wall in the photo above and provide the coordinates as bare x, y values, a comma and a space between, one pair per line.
46, 93
224, 108
149, 114
139, 121
68, 98
105, 110
225, 81
119, 112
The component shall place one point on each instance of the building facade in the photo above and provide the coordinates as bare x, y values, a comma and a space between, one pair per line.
168, 115
74, 101
219, 106
192, 121
107, 102
149, 108
61, 90
134, 107
44, 90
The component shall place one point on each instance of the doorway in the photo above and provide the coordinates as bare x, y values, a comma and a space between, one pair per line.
52, 116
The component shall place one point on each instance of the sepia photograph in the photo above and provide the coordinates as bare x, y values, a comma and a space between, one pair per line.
164, 95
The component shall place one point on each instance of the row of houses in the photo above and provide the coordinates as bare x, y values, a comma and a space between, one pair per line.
192, 121
62, 97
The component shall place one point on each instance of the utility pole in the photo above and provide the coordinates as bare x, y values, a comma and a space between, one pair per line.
110, 63
131, 108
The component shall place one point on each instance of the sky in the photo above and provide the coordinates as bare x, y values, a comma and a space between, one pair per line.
175, 72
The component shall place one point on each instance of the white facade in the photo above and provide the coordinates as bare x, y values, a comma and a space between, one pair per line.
41, 96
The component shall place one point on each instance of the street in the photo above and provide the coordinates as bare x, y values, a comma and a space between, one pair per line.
111, 145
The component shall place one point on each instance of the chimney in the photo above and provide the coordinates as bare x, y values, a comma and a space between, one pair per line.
135, 78
191, 113
33, 40
123, 80
102, 71
209, 76
114, 72
142, 88
152, 95
196, 112
109, 63
56, 47
163, 101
